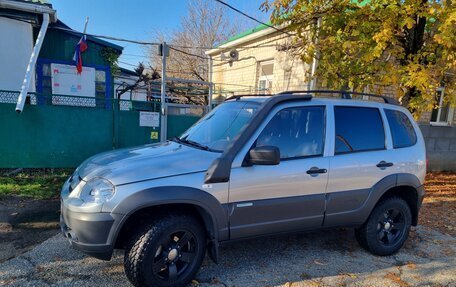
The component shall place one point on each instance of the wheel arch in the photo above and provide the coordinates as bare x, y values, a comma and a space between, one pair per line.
162, 200
404, 185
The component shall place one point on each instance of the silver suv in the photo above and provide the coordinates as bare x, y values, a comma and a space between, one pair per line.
254, 166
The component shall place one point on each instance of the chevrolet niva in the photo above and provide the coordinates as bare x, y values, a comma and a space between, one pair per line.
253, 166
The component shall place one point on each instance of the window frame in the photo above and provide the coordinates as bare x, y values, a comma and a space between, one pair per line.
269, 79
385, 138
385, 110
439, 111
324, 107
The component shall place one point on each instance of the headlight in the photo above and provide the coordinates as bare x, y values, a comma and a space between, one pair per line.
97, 190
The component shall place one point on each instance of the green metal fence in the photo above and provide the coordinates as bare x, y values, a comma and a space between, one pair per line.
61, 131
181, 116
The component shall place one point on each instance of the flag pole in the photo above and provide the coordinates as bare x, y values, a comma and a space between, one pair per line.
85, 25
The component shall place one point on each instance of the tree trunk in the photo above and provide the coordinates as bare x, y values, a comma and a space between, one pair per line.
410, 94
413, 42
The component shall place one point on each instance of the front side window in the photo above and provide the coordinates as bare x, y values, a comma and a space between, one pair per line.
358, 129
401, 129
222, 125
297, 132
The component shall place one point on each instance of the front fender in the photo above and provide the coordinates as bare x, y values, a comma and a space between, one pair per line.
176, 195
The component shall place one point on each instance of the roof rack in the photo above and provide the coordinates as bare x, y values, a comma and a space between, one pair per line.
344, 95
237, 97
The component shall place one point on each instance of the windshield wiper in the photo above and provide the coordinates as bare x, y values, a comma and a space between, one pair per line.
192, 143
177, 139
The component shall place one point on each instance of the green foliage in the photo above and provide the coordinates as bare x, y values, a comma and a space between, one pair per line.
41, 185
111, 56
408, 44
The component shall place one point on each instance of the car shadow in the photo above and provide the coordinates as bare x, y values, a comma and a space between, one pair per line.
331, 254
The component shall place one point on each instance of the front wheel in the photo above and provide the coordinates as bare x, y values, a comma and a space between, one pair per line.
167, 252
387, 228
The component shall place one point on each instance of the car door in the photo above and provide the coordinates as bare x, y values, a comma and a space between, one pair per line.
362, 157
265, 199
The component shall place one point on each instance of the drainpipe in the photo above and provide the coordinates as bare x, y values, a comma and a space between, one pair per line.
31, 65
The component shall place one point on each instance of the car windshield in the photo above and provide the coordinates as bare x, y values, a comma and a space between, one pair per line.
220, 127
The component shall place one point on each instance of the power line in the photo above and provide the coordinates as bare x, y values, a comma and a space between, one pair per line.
135, 55
109, 37
128, 64
252, 18
210, 48
139, 42
187, 53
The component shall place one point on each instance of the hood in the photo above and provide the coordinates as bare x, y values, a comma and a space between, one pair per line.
146, 162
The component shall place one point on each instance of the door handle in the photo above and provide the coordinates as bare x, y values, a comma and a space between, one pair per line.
384, 164
316, 170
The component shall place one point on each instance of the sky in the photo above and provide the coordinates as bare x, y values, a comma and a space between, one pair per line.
136, 19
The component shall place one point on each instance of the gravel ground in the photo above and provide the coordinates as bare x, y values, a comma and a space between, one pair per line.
324, 258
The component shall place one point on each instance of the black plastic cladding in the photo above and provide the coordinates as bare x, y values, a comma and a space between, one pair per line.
220, 169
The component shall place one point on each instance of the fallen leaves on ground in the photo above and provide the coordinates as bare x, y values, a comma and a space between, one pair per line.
396, 279
439, 207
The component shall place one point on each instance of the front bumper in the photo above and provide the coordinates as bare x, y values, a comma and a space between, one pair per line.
93, 233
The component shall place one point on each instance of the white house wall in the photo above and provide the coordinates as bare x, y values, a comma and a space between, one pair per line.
16, 46
241, 76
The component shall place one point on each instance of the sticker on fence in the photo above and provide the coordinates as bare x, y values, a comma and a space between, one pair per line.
149, 119
154, 135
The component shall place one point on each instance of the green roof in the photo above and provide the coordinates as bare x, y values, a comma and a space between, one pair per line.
269, 23
248, 32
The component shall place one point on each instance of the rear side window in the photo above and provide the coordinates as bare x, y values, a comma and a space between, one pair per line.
358, 129
401, 129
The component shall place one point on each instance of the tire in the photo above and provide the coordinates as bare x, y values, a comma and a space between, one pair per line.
387, 227
167, 252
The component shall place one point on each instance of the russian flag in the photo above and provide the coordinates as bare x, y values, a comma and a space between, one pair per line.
80, 48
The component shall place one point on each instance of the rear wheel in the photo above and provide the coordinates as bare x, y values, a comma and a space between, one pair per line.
387, 227
168, 252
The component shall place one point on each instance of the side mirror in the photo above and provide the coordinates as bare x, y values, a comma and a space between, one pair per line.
264, 155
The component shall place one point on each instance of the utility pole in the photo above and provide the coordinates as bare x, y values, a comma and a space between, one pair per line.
164, 52
210, 85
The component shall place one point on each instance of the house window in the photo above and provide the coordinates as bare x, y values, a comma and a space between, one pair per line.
46, 84
443, 113
266, 77
100, 87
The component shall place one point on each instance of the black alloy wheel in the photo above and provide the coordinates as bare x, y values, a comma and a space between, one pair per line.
387, 227
390, 227
167, 252
174, 254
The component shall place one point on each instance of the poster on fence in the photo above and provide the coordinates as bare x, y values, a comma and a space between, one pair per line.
66, 81
149, 119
